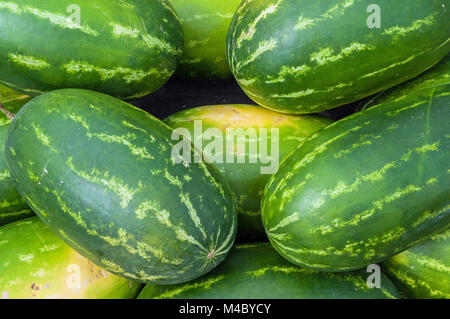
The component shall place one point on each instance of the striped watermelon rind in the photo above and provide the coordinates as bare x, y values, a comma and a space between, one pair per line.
12, 206
246, 180
142, 39
205, 25
437, 75
366, 187
257, 271
423, 271
100, 173
308, 56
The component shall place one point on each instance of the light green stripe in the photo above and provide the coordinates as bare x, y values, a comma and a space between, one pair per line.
129, 75
30, 62
203, 284
55, 19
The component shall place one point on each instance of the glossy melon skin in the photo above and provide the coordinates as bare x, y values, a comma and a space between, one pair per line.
123, 48
245, 179
256, 271
12, 101
205, 26
100, 173
308, 56
36, 264
437, 75
365, 188
12, 206
423, 271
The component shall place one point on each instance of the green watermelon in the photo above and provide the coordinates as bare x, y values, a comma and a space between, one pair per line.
424, 270
308, 56
12, 205
439, 74
257, 271
247, 180
366, 187
123, 48
12, 101
36, 264
101, 174
205, 25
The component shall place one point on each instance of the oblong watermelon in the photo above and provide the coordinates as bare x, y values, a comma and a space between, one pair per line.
100, 173
364, 188
308, 56
256, 271
12, 205
123, 48
437, 75
205, 25
247, 180
37, 264
424, 270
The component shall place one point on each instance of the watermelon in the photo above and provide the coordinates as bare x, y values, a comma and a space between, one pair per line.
308, 56
247, 180
12, 205
12, 101
424, 270
205, 24
37, 264
439, 74
100, 173
123, 48
256, 271
366, 187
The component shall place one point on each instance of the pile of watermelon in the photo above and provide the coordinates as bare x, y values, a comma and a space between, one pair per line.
99, 197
